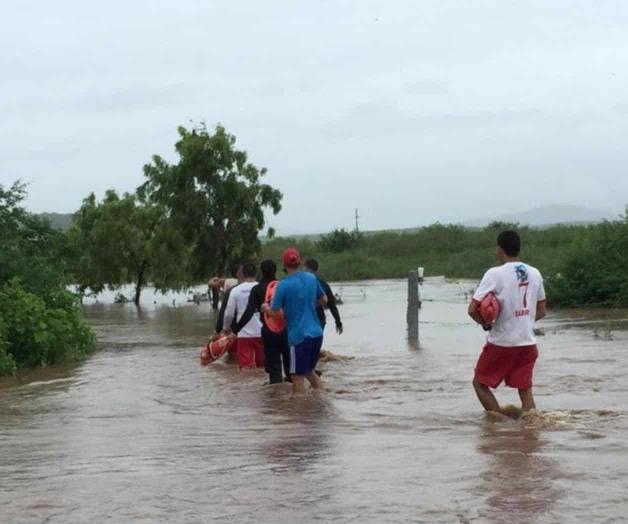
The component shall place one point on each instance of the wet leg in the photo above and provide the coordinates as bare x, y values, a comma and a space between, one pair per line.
315, 381
298, 384
527, 399
273, 364
486, 397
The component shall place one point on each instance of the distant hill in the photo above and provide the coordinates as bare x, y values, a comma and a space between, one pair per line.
544, 216
59, 220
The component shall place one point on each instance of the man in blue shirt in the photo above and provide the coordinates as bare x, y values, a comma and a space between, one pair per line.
298, 295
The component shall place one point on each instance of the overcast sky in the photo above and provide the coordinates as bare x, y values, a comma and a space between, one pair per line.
411, 111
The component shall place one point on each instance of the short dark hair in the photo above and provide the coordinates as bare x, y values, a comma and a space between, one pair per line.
269, 269
311, 263
510, 242
248, 270
235, 267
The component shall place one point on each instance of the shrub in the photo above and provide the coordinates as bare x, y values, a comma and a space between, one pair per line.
35, 334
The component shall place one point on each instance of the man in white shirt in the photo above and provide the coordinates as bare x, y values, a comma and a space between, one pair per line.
510, 352
250, 349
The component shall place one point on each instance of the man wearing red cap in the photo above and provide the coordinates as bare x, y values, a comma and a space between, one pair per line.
514, 292
298, 295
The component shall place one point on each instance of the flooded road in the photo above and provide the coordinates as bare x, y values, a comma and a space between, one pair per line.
140, 432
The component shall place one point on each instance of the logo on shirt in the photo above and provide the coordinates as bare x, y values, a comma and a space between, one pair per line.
522, 277
522, 273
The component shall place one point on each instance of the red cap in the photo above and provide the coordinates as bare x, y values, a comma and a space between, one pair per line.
291, 257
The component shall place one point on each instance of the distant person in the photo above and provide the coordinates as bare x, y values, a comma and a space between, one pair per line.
214, 286
250, 350
311, 266
220, 321
276, 349
298, 295
510, 352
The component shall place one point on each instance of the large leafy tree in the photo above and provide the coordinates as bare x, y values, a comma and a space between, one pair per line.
123, 240
214, 195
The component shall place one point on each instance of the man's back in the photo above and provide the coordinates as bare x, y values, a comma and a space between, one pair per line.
297, 295
238, 300
518, 288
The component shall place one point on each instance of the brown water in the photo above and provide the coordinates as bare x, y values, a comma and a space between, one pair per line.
140, 432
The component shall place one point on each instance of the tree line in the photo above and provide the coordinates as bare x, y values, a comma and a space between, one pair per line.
583, 265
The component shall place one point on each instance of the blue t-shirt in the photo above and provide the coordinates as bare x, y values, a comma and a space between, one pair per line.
297, 295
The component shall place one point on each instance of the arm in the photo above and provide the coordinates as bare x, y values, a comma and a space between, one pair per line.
331, 304
230, 313
321, 297
486, 286
220, 322
541, 306
474, 312
541, 310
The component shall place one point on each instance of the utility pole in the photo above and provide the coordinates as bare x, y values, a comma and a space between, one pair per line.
357, 219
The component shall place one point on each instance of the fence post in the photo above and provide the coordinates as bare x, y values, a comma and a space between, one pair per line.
414, 304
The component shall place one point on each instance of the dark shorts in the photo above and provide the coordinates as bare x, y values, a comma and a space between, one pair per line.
304, 356
514, 365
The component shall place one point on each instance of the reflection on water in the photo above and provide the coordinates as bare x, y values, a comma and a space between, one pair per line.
518, 477
141, 432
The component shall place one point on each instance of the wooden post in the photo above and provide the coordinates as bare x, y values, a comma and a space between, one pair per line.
414, 304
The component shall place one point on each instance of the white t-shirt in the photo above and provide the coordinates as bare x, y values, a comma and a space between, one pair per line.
236, 305
518, 288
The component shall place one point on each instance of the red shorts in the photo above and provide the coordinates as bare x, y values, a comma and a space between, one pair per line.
250, 353
512, 364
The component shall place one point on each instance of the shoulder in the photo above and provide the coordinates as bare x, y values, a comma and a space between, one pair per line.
312, 280
493, 272
534, 272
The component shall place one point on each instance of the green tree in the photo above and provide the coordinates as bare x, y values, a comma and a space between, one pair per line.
123, 240
215, 197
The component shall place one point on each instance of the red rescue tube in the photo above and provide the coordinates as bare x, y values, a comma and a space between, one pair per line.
276, 323
216, 349
490, 309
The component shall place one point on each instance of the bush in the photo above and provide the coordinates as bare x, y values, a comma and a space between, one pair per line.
35, 334
595, 272
40, 321
582, 265
7, 363
340, 240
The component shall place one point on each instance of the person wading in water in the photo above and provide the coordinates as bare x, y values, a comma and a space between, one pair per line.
311, 266
298, 295
276, 347
510, 351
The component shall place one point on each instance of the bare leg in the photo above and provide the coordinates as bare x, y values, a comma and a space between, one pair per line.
486, 397
298, 384
315, 381
527, 399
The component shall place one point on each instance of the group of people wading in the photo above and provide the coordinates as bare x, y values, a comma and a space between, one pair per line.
251, 313
508, 301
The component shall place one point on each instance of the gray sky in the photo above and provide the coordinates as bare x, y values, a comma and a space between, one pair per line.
412, 111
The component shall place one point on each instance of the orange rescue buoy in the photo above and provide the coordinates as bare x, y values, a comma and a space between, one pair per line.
276, 323
217, 348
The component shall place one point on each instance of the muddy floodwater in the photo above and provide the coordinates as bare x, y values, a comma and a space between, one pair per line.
140, 432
